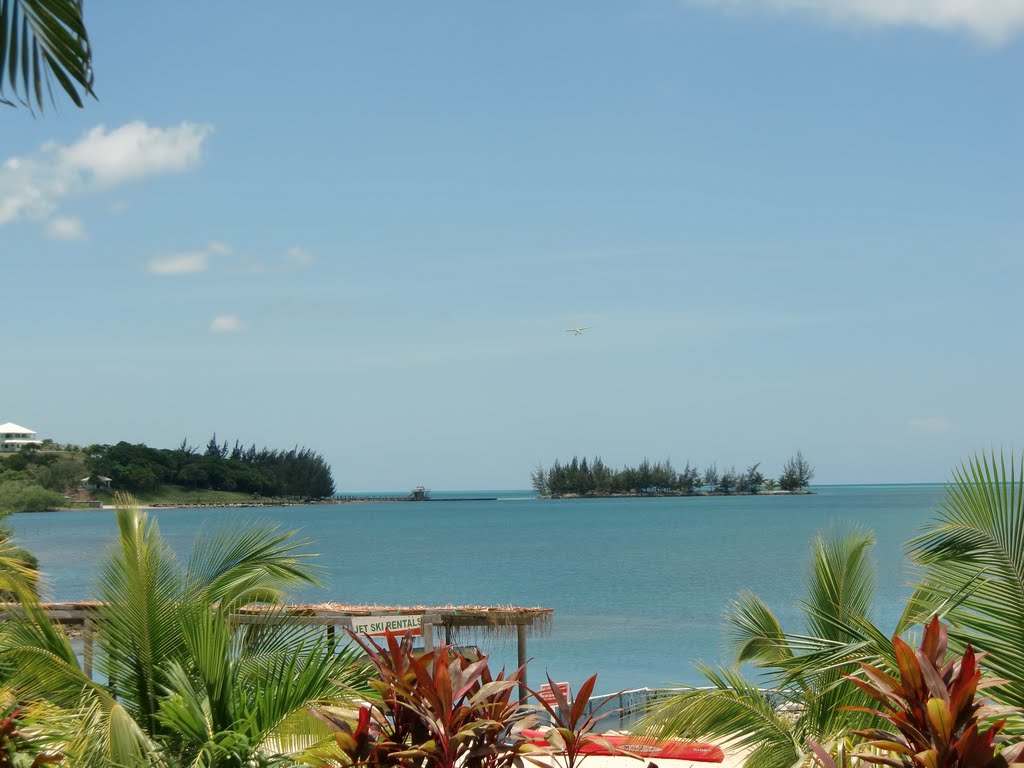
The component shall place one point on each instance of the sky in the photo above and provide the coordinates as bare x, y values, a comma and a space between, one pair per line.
364, 228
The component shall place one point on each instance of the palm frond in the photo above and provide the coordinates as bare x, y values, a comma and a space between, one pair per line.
753, 633
841, 584
42, 41
729, 711
244, 564
18, 580
972, 562
138, 630
38, 661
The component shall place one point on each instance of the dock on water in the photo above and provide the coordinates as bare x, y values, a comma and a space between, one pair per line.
419, 493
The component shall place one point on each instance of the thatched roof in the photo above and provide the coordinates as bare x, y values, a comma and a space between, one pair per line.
488, 619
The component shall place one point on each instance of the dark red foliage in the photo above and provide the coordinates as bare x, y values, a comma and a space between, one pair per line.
933, 708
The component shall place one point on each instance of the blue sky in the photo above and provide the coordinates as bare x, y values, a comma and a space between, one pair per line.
364, 227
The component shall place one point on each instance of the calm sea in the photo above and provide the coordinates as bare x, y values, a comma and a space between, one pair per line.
638, 586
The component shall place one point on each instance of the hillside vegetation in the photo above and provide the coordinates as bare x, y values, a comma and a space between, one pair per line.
49, 477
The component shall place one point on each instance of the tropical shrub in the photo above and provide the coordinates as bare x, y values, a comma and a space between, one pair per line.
435, 709
181, 682
572, 724
933, 708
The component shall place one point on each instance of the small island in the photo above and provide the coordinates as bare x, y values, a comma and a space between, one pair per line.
594, 479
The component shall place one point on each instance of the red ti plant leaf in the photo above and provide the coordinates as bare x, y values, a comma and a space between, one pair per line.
824, 757
934, 707
572, 727
910, 670
939, 719
934, 643
437, 709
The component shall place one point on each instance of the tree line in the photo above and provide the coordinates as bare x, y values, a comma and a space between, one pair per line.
581, 477
299, 472
33, 480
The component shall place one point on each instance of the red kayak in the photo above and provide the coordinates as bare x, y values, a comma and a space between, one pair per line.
669, 749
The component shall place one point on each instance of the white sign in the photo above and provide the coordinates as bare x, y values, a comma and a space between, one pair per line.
546, 695
377, 626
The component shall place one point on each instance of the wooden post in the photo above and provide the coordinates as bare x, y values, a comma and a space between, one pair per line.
428, 634
521, 638
331, 642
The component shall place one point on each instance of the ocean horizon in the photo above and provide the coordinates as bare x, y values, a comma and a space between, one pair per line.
638, 586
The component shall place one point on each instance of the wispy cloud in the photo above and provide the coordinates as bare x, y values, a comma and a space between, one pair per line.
188, 262
180, 263
32, 186
219, 248
931, 425
226, 324
993, 21
220, 256
292, 260
298, 256
66, 228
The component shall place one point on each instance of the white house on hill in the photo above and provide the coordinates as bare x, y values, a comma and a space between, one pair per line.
13, 437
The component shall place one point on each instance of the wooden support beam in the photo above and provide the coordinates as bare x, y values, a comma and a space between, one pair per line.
521, 643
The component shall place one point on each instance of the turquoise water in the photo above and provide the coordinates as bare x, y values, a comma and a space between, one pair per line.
638, 585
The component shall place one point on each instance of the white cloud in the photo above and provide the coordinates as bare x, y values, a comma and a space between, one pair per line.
32, 186
931, 425
135, 150
180, 263
994, 21
67, 228
226, 324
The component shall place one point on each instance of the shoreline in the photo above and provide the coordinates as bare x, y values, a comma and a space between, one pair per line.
391, 499
673, 494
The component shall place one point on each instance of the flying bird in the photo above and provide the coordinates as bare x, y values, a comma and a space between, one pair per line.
577, 331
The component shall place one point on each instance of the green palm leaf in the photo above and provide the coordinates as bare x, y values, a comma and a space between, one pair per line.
42, 41
137, 625
730, 711
972, 562
254, 563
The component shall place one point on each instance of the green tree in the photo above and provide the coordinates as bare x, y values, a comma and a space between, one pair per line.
710, 477
191, 688
752, 480
539, 480
42, 41
796, 474
21, 496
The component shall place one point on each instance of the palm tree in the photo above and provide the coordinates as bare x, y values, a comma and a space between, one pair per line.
803, 671
972, 565
42, 41
184, 684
